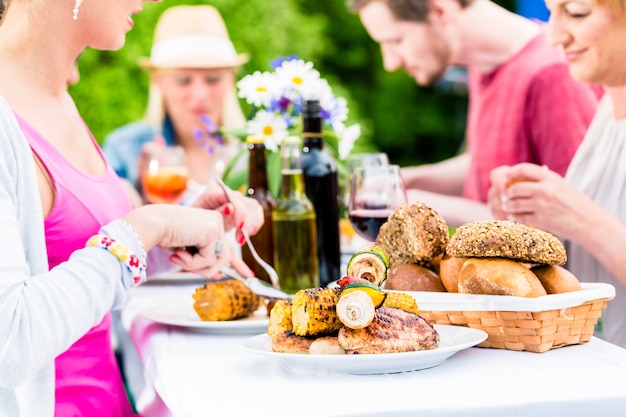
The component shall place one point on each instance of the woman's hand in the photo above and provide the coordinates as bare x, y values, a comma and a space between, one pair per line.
534, 195
242, 213
175, 227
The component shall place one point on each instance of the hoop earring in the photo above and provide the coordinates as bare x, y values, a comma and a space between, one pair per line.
76, 7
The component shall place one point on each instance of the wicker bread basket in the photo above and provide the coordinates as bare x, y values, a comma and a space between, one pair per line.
522, 324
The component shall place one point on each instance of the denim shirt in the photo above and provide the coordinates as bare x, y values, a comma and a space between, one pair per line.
122, 147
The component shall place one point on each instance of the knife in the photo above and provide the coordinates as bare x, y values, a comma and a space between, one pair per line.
256, 285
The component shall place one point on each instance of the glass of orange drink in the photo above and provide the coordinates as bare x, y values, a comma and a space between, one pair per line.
164, 179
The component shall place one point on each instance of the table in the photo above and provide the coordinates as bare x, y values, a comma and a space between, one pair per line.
189, 373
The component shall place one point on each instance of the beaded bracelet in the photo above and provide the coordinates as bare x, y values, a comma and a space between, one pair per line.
130, 260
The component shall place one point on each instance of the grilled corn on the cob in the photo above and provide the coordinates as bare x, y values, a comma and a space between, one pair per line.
280, 318
314, 312
224, 300
402, 301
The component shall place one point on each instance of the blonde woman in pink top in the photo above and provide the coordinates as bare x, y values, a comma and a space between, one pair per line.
65, 261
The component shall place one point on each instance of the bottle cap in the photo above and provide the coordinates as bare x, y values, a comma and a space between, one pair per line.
311, 107
255, 140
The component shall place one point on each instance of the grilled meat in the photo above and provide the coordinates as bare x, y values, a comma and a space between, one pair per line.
392, 330
288, 342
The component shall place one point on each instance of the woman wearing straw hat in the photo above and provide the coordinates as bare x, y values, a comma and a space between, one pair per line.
192, 70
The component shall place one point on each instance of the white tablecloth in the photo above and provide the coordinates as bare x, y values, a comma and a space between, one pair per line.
200, 374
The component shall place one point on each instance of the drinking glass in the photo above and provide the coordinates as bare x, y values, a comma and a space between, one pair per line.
366, 159
375, 192
165, 177
359, 160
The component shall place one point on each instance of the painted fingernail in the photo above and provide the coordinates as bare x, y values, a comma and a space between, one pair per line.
240, 227
227, 210
241, 239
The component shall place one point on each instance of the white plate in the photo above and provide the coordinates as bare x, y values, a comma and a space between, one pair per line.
173, 276
183, 315
452, 340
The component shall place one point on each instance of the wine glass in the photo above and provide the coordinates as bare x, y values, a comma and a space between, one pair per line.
366, 159
359, 160
165, 175
375, 192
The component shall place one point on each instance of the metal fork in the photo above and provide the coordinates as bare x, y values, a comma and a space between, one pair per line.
267, 267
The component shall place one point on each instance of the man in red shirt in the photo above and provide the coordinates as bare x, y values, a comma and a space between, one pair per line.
523, 104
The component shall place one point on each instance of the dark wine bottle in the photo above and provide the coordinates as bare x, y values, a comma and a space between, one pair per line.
258, 189
295, 235
321, 182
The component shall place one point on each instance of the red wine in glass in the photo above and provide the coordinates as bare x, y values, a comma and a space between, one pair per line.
375, 192
367, 222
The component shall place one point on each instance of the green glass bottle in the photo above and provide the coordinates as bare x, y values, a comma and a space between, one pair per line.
295, 232
322, 188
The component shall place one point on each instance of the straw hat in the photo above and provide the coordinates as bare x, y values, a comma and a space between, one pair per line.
192, 37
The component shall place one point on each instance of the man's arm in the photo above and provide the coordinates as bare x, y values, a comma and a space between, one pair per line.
445, 177
456, 211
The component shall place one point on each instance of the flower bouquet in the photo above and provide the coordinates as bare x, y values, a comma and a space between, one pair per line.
277, 99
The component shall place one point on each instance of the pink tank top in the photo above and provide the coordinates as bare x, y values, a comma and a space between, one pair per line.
88, 379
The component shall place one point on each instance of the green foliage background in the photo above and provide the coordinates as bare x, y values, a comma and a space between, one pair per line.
412, 124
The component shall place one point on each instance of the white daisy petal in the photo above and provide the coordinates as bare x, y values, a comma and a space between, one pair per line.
347, 137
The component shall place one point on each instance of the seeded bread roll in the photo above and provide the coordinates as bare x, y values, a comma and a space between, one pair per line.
411, 277
556, 279
506, 239
496, 276
413, 234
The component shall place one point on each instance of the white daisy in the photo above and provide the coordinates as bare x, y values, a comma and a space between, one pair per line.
295, 75
317, 90
270, 126
259, 89
347, 136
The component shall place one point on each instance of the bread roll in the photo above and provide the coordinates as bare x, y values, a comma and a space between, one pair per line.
449, 269
556, 279
413, 234
506, 239
411, 277
497, 276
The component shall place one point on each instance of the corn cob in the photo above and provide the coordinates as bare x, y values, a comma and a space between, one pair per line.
402, 301
314, 312
280, 318
224, 300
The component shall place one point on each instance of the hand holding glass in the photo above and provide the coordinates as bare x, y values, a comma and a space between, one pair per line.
165, 177
375, 192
